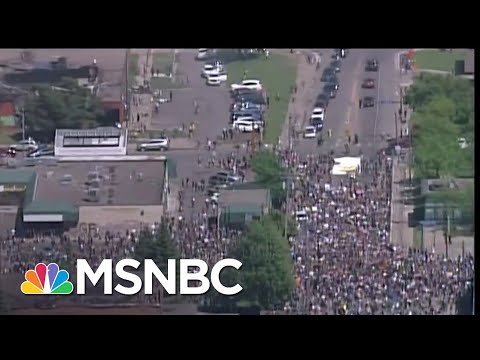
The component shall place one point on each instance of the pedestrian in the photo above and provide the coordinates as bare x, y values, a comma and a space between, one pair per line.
230, 131
171, 95
360, 103
405, 114
138, 117
268, 101
295, 89
277, 96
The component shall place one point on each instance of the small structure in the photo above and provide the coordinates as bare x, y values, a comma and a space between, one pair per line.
240, 205
347, 166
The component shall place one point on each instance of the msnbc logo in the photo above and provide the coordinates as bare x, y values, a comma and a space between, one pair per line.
47, 280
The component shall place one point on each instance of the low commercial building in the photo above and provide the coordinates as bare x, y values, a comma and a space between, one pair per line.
90, 190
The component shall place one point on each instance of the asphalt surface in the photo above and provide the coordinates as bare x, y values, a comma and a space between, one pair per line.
213, 102
343, 112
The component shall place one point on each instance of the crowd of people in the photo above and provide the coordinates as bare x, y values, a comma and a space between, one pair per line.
343, 257
344, 261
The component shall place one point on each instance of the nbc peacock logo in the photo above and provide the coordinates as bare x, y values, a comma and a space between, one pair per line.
47, 280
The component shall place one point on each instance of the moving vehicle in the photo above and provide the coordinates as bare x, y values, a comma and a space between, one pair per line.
26, 145
368, 84
310, 132
160, 144
246, 106
213, 81
253, 98
243, 91
10, 152
372, 65
247, 84
368, 101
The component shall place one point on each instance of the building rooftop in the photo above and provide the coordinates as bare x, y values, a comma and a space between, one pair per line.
250, 196
101, 131
102, 183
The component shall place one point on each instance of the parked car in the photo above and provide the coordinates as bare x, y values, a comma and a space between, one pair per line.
310, 132
336, 66
243, 91
368, 84
26, 145
327, 74
160, 144
318, 112
372, 65
317, 122
247, 84
368, 102
10, 152
202, 54
330, 90
41, 153
230, 175
255, 114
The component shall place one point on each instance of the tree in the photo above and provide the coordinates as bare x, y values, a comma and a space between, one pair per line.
270, 173
267, 272
279, 218
65, 106
158, 246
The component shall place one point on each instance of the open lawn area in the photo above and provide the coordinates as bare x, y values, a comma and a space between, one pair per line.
277, 74
438, 60
163, 62
6, 139
133, 69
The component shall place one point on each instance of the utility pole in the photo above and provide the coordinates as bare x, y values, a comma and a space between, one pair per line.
396, 128
447, 234
287, 185
307, 267
23, 123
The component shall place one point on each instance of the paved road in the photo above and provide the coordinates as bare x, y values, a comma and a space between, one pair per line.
343, 112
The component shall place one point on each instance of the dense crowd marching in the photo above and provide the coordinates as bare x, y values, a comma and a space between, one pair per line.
343, 260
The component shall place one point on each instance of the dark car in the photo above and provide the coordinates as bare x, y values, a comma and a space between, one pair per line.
253, 98
368, 84
318, 123
330, 90
330, 78
243, 91
327, 73
336, 66
372, 65
368, 102
323, 99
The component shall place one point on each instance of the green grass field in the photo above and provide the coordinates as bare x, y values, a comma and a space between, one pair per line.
163, 62
277, 74
6, 139
438, 60
133, 69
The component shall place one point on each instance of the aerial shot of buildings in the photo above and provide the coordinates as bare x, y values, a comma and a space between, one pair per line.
341, 179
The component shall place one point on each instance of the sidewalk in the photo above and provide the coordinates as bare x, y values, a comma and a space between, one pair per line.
140, 104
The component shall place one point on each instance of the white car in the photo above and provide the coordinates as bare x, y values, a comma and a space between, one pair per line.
244, 125
310, 132
462, 142
318, 112
211, 69
160, 144
217, 79
26, 145
247, 84
202, 54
